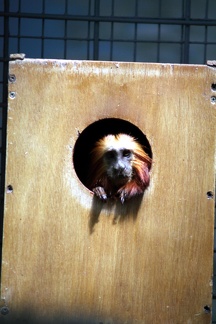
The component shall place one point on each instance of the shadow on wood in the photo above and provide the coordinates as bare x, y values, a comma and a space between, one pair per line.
29, 317
121, 212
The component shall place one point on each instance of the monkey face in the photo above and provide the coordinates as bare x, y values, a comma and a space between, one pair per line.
118, 164
119, 168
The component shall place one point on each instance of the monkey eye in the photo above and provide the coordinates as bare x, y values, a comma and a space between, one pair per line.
110, 154
126, 153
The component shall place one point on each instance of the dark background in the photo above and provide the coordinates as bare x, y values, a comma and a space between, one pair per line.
166, 31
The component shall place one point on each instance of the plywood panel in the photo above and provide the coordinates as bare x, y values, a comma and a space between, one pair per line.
152, 268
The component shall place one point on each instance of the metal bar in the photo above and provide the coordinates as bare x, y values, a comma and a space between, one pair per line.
89, 31
65, 29
42, 32
159, 33
206, 30
96, 30
167, 21
182, 34
116, 40
19, 28
112, 32
186, 47
135, 33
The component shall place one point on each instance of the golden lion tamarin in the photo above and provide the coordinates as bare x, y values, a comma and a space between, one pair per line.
119, 168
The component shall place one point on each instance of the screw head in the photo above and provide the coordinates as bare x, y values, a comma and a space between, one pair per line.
12, 78
4, 310
213, 100
207, 309
210, 195
12, 94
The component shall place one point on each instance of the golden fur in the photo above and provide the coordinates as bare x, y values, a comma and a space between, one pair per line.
140, 163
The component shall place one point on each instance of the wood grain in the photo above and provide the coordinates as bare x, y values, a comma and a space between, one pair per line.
155, 267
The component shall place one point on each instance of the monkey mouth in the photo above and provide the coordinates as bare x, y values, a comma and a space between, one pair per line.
120, 175
120, 179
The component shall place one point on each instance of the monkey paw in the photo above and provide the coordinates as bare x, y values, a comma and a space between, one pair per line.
100, 193
122, 196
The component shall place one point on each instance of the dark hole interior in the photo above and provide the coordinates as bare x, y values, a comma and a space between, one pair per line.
95, 131
213, 86
210, 195
207, 309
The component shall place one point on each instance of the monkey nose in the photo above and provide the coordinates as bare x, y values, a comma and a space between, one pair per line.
118, 168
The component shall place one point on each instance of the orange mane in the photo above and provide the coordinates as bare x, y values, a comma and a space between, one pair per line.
141, 163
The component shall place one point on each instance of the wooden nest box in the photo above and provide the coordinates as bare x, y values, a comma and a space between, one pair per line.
68, 257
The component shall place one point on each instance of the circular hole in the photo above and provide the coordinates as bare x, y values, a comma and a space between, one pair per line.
9, 189
213, 99
12, 94
213, 86
207, 309
4, 310
94, 132
210, 194
12, 78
